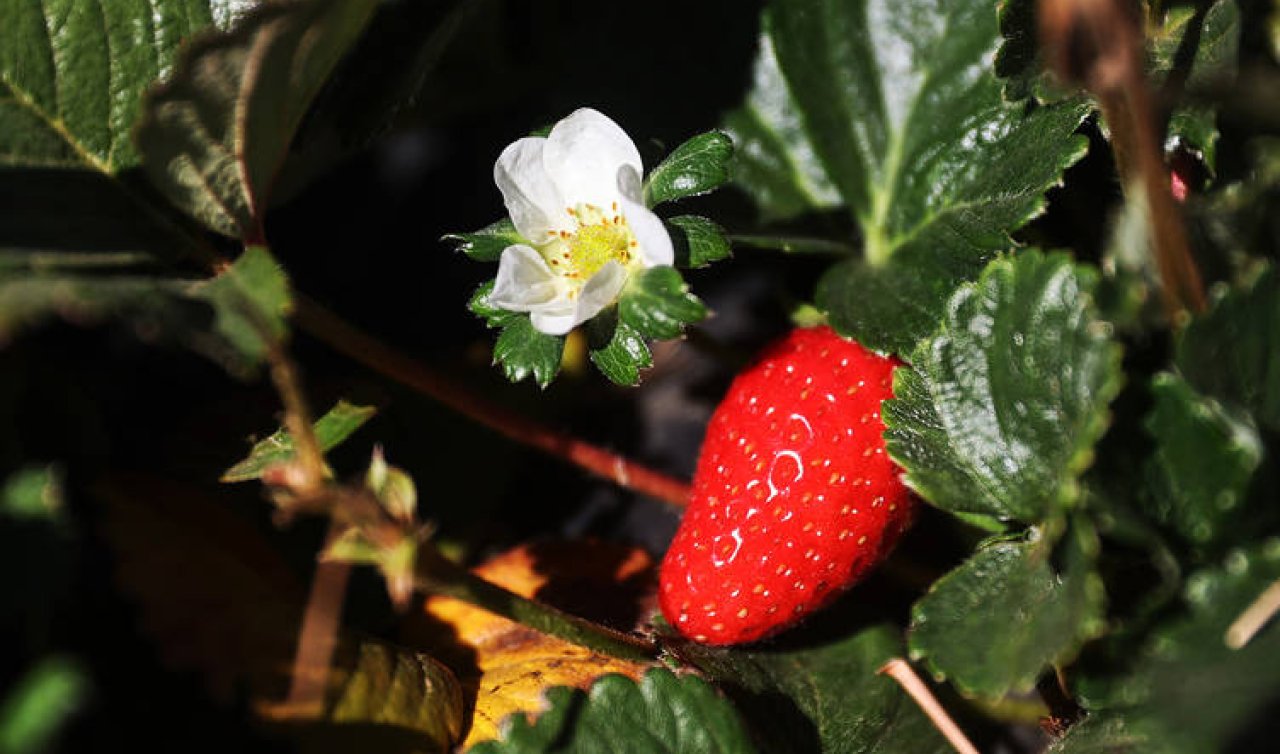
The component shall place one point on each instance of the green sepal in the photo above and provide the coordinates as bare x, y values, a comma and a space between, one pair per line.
493, 316
696, 167
487, 244
339, 423
622, 358
657, 303
698, 241
523, 351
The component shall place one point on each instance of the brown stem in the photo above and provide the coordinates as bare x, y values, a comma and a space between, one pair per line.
318, 637
364, 348
899, 670
297, 417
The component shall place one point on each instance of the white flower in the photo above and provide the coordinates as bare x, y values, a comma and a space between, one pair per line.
575, 196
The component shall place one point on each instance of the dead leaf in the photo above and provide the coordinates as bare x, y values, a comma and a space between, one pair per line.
503, 666
216, 597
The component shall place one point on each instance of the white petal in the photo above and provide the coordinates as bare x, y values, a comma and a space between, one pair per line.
554, 323
600, 291
655, 243
583, 155
531, 197
525, 282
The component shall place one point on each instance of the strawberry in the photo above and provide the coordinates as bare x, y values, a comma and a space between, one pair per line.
794, 499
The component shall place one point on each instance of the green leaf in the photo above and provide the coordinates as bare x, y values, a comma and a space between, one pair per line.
698, 241
251, 301
657, 303
331, 430
824, 697
493, 316
1232, 352
214, 136
994, 624
698, 166
900, 106
32, 494
524, 351
661, 714
1186, 684
72, 74
1205, 458
389, 686
1195, 47
1006, 403
624, 356
36, 707
775, 163
1103, 733
486, 244
893, 306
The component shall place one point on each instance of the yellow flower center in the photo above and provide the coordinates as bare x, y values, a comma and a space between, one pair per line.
601, 237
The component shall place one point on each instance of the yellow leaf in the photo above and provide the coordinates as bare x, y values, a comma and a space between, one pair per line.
503, 666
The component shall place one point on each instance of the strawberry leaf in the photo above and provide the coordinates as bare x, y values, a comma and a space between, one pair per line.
832, 691
657, 303
698, 241
1007, 401
215, 134
493, 316
995, 623
908, 124
72, 77
1186, 688
662, 713
698, 166
486, 244
523, 352
331, 430
1232, 353
899, 105
1204, 461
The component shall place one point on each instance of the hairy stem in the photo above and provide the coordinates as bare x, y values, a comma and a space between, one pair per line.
437, 575
364, 348
318, 637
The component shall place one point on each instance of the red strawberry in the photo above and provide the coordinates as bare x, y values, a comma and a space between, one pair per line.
794, 499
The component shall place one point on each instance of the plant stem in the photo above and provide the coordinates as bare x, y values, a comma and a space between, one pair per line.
899, 670
793, 245
1251, 621
364, 348
438, 575
318, 637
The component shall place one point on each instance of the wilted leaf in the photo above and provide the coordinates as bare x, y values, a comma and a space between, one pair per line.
996, 623
1004, 406
214, 135
827, 697
216, 597
331, 430
663, 714
505, 667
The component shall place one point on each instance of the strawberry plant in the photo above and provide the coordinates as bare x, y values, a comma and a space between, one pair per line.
793, 376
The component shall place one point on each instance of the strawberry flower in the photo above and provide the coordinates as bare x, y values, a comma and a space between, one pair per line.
575, 197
